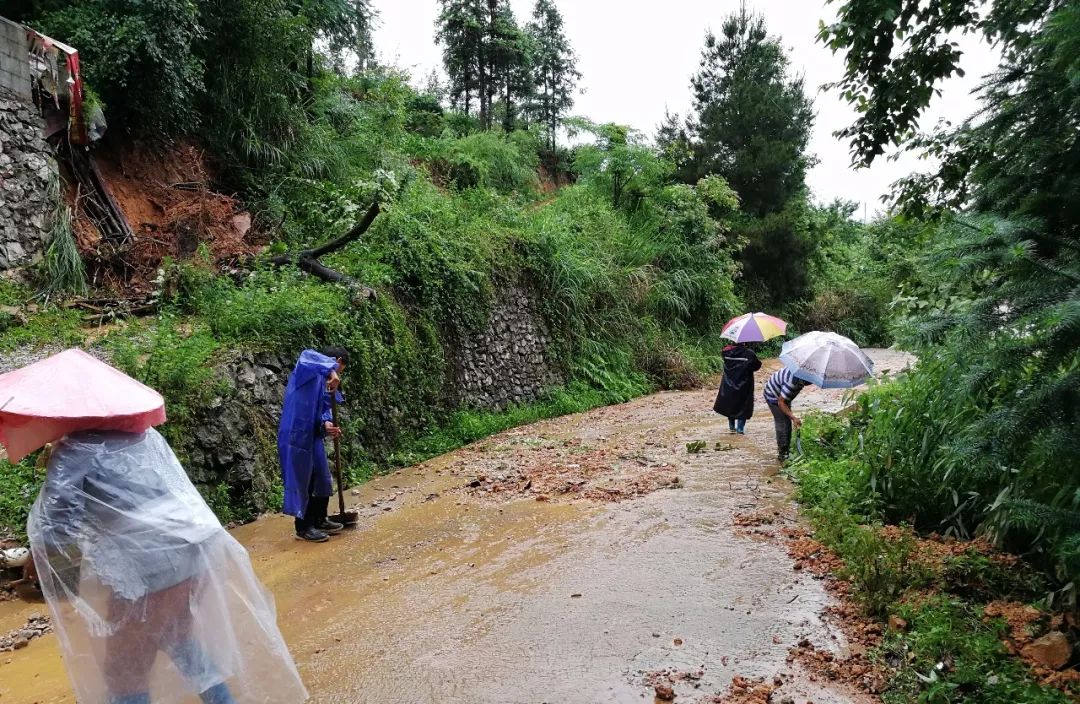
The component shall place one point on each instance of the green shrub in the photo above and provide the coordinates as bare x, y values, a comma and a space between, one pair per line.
855, 313
272, 309
881, 569
19, 485
982, 578
503, 162
949, 653
175, 363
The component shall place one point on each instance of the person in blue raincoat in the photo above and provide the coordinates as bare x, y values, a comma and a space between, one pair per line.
306, 421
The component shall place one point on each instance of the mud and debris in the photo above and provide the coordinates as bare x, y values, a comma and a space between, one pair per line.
1040, 639
811, 555
568, 469
166, 193
855, 669
664, 683
454, 575
743, 690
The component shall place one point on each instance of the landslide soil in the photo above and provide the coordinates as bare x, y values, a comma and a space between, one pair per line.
166, 191
588, 558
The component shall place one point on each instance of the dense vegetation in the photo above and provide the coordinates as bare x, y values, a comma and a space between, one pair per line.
980, 438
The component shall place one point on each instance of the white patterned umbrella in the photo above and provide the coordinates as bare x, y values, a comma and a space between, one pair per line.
827, 360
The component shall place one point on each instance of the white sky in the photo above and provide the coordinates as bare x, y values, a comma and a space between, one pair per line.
636, 58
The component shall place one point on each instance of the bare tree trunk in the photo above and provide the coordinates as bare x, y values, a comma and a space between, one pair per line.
483, 93
508, 116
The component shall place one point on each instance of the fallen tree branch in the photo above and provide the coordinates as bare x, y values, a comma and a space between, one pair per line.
349, 236
308, 259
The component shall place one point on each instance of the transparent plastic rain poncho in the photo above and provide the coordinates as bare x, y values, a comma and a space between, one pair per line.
153, 601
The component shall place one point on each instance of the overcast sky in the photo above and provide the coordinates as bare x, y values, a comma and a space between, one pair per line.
636, 58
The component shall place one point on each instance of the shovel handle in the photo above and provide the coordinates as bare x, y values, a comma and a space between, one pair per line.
337, 453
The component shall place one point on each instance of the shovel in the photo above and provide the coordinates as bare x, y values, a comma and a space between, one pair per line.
345, 518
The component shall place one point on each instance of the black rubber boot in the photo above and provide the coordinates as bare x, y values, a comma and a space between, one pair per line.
313, 535
330, 527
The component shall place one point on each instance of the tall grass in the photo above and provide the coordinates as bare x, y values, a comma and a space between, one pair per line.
63, 267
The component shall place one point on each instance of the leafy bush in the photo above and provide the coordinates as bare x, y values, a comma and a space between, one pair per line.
271, 310
982, 578
950, 653
19, 485
176, 364
881, 569
504, 162
854, 313
140, 58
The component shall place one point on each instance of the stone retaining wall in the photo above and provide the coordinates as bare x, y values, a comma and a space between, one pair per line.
233, 440
27, 173
510, 360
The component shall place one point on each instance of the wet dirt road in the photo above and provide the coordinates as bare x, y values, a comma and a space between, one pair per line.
559, 562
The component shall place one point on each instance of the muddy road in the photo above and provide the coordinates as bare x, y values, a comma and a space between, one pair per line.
567, 561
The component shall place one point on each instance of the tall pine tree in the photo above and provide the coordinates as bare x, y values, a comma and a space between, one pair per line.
751, 124
555, 76
485, 55
460, 30
752, 121
510, 60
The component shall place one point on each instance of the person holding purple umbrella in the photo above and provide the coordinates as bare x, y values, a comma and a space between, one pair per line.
735, 399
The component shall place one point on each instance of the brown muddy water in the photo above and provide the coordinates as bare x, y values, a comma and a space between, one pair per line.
456, 594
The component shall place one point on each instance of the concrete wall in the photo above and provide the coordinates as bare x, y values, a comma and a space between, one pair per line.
14, 61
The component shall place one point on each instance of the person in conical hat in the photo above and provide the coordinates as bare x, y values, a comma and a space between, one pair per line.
152, 599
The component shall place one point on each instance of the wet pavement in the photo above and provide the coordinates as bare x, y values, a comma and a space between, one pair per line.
455, 593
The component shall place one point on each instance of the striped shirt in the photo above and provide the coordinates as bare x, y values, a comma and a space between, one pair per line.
782, 385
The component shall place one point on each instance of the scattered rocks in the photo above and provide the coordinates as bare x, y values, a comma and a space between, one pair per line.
766, 517
664, 692
745, 691
36, 626
568, 469
856, 669
1052, 651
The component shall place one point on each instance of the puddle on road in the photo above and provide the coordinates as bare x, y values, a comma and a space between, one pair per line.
450, 598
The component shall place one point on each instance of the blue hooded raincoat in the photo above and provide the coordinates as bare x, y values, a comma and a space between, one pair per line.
300, 435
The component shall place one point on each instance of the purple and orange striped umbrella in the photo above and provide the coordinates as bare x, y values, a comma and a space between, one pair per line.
754, 327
